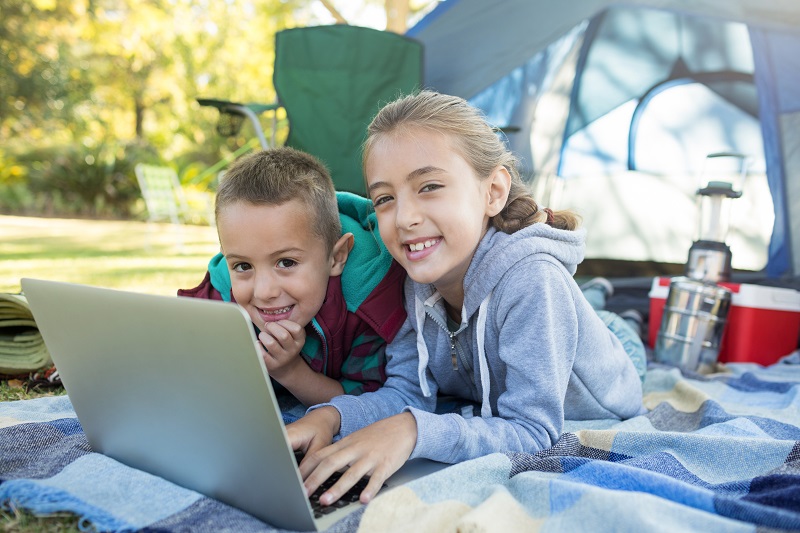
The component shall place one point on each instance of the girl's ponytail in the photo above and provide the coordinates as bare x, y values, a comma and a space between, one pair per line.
521, 211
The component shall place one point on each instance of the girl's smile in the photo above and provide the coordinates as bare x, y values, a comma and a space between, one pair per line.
421, 249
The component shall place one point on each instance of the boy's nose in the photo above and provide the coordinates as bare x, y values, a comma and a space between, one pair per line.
266, 286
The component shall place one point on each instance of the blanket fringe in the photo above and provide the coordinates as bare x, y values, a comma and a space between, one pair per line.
42, 501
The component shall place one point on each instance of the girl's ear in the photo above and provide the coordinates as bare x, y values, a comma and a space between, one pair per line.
498, 187
340, 252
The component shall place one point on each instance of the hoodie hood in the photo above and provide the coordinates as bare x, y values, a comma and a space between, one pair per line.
496, 253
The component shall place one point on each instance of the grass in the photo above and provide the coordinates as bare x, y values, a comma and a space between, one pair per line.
125, 255
14, 389
135, 256
21, 521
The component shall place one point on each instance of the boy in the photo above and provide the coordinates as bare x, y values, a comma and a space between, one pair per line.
309, 268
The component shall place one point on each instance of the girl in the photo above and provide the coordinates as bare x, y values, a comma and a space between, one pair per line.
494, 315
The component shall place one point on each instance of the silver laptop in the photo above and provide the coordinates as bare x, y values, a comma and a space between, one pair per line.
176, 387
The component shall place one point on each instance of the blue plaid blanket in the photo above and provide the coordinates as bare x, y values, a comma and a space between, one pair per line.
713, 453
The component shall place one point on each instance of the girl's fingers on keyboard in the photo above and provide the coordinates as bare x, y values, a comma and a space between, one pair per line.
353, 477
377, 450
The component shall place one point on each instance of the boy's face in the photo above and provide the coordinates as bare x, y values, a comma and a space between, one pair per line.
279, 267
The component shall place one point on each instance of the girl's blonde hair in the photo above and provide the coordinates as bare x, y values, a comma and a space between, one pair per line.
476, 141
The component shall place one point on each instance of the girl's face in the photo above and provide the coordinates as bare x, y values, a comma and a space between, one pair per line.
432, 208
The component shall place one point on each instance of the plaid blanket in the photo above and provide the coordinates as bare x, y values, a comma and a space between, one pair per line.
713, 453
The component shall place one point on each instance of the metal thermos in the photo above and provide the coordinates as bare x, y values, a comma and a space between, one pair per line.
692, 325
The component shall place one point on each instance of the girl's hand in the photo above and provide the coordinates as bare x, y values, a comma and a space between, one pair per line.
283, 341
377, 450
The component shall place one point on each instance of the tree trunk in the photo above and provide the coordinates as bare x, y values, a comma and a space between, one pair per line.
139, 110
396, 15
334, 12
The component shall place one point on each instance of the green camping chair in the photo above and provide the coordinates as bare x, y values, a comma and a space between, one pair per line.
331, 80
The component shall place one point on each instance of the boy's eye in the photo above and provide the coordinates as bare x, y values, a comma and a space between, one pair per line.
286, 263
242, 267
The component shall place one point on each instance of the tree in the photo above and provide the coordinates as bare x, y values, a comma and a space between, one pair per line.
86, 70
94, 77
40, 78
397, 12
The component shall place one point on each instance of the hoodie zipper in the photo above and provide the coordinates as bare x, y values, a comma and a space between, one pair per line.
452, 335
453, 354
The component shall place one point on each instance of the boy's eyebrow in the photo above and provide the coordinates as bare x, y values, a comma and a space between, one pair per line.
290, 251
285, 251
411, 175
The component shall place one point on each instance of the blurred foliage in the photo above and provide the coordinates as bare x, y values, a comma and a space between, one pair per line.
92, 87
74, 180
85, 70
89, 88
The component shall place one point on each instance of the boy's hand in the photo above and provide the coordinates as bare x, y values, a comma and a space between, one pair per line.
280, 344
377, 450
283, 341
315, 430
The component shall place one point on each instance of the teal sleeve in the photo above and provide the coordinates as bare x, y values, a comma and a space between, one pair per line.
220, 277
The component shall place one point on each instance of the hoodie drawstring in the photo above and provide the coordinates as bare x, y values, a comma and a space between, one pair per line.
422, 349
486, 407
483, 365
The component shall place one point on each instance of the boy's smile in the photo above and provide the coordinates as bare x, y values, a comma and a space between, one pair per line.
274, 315
279, 267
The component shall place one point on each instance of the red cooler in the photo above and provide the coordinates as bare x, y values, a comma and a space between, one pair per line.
763, 322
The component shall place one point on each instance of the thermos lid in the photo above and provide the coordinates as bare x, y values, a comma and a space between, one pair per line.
699, 286
721, 188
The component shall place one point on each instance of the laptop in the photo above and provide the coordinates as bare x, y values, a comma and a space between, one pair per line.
177, 387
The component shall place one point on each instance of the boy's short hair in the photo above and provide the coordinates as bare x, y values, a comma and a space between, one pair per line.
278, 175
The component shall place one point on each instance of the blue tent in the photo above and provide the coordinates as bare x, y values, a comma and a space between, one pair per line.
614, 108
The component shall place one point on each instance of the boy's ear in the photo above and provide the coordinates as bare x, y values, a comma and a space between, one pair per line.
498, 187
340, 252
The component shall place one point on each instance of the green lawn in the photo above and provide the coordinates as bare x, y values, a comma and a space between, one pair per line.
136, 256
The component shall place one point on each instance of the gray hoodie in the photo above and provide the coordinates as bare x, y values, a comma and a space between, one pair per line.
530, 350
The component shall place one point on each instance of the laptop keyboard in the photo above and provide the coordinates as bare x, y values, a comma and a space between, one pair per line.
349, 497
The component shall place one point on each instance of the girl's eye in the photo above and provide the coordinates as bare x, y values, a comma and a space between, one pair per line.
381, 200
286, 263
430, 187
242, 267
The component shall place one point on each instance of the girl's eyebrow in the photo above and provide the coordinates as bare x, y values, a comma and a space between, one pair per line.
411, 176
422, 171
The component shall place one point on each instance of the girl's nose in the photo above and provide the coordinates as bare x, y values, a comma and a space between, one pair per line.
408, 214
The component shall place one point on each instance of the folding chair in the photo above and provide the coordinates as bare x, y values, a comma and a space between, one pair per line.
331, 80
166, 200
